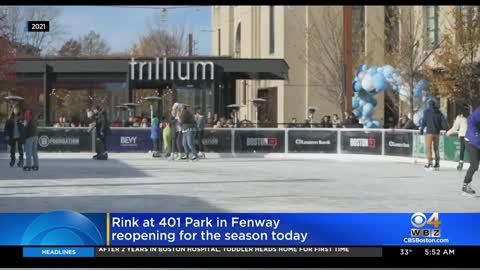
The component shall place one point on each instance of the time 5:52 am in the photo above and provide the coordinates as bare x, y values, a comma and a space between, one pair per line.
439, 251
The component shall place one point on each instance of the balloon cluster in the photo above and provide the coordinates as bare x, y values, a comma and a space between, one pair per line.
370, 81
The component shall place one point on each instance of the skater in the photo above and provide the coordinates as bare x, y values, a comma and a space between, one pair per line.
460, 127
472, 140
434, 121
167, 139
154, 135
200, 126
102, 130
188, 126
31, 141
14, 136
176, 134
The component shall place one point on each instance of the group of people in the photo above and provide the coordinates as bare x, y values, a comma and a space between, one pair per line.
351, 121
179, 134
21, 134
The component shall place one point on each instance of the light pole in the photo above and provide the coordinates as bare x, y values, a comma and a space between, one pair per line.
257, 102
235, 108
311, 113
130, 107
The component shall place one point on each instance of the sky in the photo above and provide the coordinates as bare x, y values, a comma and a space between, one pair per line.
121, 26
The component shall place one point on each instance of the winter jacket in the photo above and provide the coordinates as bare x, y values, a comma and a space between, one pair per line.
31, 129
460, 126
473, 128
200, 122
187, 119
154, 132
102, 127
434, 120
9, 129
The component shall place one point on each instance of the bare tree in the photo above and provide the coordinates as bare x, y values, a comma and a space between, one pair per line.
412, 53
70, 48
32, 42
92, 44
325, 54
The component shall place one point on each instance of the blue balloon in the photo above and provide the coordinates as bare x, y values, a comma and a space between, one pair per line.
356, 112
357, 86
379, 82
387, 70
364, 67
376, 124
355, 102
373, 70
367, 110
368, 124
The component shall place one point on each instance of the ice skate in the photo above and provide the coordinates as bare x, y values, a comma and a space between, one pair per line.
12, 162
201, 155
467, 190
194, 158
429, 167
437, 166
35, 168
460, 165
26, 169
20, 163
172, 156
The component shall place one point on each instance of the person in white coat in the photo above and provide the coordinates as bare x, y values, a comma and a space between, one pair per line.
460, 127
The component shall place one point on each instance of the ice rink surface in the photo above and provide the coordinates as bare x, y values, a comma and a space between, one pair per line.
277, 183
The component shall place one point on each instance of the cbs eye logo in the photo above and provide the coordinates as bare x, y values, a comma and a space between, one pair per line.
62, 228
419, 220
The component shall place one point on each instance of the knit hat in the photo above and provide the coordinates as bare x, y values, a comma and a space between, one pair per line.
28, 115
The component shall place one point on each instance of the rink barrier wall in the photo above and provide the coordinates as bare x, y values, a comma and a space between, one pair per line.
390, 142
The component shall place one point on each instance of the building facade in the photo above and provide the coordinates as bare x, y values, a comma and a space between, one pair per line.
307, 37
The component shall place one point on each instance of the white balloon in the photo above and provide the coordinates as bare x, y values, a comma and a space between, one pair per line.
403, 93
417, 116
361, 75
367, 83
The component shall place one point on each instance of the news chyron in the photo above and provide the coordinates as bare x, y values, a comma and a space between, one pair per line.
426, 229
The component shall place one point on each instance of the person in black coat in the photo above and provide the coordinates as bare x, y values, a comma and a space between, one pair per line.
15, 136
102, 130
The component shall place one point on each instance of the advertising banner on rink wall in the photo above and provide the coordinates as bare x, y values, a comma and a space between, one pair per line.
259, 141
129, 140
64, 140
312, 141
398, 143
217, 140
419, 149
361, 142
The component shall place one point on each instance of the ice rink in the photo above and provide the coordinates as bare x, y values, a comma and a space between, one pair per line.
276, 183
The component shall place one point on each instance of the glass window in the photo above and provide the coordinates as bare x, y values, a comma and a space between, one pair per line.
71, 96
432, 27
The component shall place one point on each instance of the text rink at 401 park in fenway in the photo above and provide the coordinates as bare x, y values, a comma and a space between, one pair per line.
119, 238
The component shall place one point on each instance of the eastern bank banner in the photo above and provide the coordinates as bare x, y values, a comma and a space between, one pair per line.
398, 143
68, 228
217, 140
64, 140
259, 141
129, 140
312, 141
361, 142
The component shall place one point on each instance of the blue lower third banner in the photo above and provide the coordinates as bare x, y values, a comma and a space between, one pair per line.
64, 252
68, 228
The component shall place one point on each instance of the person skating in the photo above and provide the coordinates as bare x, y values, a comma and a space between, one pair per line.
167, 139
460, 127
200, 126
155, 136
31, 141
14, 136
434, 121
102, 130
472, 140
188, 125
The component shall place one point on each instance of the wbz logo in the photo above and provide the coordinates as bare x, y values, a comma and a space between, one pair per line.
419, 220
